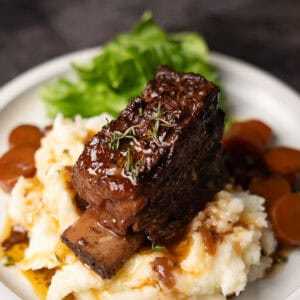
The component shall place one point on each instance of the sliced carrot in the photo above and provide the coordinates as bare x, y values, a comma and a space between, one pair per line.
252, 137
284, 161
18, 161
270, 188
285, 217
25, 135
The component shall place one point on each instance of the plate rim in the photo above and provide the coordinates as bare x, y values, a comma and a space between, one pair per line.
50, 68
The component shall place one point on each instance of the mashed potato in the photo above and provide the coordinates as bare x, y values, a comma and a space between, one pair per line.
226, 245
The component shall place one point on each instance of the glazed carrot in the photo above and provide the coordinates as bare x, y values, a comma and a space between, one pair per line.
18, 161
285, 217
25, 135
252, 136
284, 161
270, 188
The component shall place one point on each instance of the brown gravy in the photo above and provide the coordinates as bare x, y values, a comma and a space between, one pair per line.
210, 240
17, 236
163, 267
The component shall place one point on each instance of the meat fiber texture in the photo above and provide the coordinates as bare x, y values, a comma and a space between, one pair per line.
153, 168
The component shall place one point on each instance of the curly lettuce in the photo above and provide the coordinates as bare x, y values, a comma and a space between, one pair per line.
122, 69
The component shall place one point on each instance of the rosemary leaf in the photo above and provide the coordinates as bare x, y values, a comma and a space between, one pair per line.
158, 121
279, 258
140, 110
128, 166
155, 247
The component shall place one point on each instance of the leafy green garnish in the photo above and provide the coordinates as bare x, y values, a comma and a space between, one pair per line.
131, 166
122, 69
158, 121
9, 261
117, 136
156, 247
58, 258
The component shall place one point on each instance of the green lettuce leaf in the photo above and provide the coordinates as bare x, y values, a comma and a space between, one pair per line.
123, 67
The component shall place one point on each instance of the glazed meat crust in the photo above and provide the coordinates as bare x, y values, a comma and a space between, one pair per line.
173, 139
154, 167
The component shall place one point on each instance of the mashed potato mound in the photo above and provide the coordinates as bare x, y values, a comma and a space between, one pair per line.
225, 246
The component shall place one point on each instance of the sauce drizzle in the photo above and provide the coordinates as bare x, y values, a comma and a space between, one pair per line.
163, 266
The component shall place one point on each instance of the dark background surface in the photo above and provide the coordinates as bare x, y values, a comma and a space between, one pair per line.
263, 32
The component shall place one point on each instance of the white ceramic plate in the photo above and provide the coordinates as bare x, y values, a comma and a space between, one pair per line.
251, 93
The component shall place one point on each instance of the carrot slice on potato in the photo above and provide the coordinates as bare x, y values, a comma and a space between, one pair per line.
252, 136
285, 217
270, 188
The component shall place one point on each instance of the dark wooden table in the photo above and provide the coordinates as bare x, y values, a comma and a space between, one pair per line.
263, 32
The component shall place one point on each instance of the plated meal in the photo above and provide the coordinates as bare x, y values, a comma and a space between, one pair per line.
138, 190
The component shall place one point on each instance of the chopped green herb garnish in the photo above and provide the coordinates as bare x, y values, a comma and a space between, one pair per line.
58, 258
117, 136
66, 151
279, 258
9, 261
140, 110
130, 166
156, 247
153, 133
